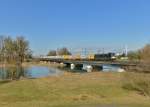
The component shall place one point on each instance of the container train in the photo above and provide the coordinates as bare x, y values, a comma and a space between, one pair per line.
93, 57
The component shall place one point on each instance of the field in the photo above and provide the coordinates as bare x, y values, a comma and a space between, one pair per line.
75, 90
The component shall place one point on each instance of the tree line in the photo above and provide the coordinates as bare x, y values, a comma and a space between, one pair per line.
141, 54
61, 51
14, 50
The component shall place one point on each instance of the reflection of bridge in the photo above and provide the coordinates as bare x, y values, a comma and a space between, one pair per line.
90, 65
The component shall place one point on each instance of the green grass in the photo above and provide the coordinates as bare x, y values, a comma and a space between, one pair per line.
71, 90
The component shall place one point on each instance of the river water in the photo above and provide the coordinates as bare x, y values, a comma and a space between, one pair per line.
18, 72
112, 68
28, 72
107, 68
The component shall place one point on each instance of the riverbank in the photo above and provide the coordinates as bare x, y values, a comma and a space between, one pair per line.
24, 64
96, 89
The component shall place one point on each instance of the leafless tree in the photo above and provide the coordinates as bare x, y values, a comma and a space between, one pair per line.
52, 53
64, 51
145, 53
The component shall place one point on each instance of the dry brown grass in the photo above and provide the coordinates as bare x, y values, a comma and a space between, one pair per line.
138, 82
70, 90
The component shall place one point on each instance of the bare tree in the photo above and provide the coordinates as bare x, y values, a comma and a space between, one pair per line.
1, 47
64, 51
22, 47
145, 53
14, 50
134, 55
8, 49
52, 53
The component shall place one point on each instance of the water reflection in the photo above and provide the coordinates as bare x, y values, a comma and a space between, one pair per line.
112, 68
15, 73
11, 72
40, 71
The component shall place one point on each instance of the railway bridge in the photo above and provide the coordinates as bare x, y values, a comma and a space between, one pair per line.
92, 65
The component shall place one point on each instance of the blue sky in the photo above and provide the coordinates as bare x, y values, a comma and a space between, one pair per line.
50, 24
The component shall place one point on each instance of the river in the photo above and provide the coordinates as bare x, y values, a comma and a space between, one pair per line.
28, 72
35, 71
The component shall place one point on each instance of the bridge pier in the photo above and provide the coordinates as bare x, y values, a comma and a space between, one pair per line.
88, 68
62, 64
72, 66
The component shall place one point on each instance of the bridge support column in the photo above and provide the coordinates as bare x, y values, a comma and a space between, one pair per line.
88, 68
62, 64
72, 66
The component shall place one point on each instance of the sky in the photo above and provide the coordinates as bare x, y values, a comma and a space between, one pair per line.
52, 24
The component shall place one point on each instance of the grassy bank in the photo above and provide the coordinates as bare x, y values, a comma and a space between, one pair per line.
24, 64
139, 82
72, 90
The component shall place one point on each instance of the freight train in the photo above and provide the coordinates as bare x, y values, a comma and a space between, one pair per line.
92, 57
